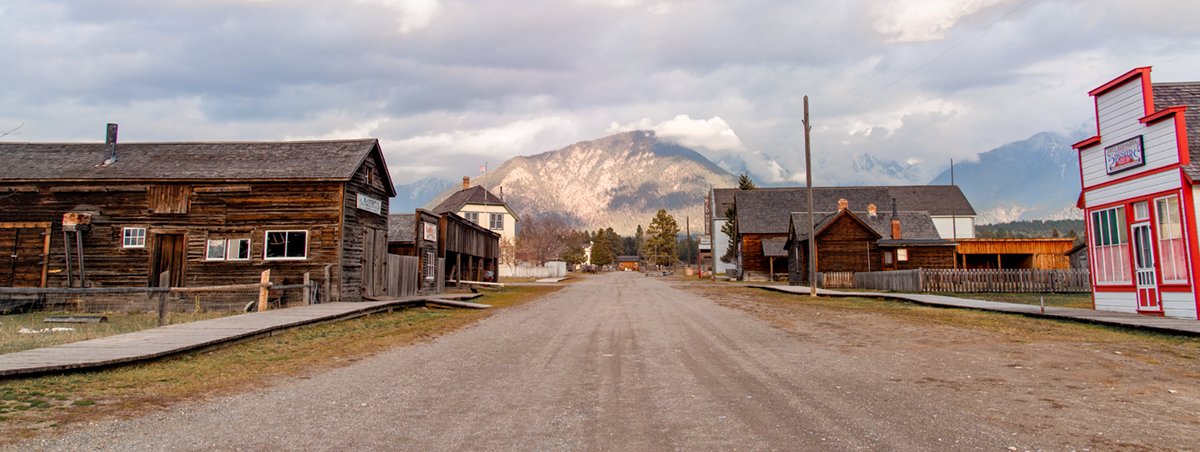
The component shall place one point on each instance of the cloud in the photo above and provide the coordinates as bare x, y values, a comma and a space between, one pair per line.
909, 21
712, 134
414, 14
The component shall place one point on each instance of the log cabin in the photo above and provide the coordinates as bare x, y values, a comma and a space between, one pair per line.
1139, 179
209, 213
865, 241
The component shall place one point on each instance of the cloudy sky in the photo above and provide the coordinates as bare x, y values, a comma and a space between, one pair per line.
449, 85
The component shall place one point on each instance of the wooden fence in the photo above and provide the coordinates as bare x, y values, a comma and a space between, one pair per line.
946, 280
403, 275
835, 280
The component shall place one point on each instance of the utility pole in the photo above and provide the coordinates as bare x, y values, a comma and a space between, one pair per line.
812, 241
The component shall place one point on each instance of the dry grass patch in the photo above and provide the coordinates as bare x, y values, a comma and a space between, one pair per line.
1062, 300
33, 406
118, 323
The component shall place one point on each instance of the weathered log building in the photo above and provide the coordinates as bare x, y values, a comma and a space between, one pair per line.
209, 213
471, 251
417, 235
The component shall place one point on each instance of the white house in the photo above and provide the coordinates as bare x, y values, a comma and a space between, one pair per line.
482, 207
1138, 180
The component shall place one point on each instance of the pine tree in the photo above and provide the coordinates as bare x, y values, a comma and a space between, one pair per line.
660, 240
601, 248
744, 182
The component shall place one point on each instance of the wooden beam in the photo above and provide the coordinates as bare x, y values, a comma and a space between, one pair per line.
99, 188
26, 225
45, 255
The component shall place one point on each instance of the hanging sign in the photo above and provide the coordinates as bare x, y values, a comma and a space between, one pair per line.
370, 204
430, 231
1125, 155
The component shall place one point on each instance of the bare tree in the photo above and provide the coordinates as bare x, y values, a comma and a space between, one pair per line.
542, 238
12, 130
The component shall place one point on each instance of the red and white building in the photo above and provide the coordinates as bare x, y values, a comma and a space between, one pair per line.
1140, 178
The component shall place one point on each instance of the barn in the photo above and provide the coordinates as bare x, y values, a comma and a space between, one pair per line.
205, 213
1140, 176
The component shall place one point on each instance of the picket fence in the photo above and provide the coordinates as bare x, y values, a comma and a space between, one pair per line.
947, 280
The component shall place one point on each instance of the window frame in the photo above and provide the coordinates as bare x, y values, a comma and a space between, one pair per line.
1110, 246
1176, 228
138, 240
471, 216
208, 249
492, 217
267, 244
231, 250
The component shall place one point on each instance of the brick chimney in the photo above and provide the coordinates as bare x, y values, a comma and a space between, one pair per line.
872, 211
843, 204
466, 182
895, 221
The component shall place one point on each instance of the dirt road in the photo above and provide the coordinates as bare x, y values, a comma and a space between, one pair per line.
616, 362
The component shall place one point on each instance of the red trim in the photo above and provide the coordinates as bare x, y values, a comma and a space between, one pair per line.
1175, 288
1163, 169
1181, 140
1115, 288
1188, 204
1153, 313
1135, 72
1147, 93
1079, 201
1086, 143
1161, 114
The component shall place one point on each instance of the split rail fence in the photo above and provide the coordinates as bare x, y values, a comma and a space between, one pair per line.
973, 281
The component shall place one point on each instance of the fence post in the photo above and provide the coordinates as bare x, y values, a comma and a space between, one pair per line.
263, 290
307, 289
164, 282
325, 293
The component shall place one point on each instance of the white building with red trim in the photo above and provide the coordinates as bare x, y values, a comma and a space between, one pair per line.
1140, 178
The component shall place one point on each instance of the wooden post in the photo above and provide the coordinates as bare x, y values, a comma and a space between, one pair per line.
307, 287
264, 290
325, 293
164, 282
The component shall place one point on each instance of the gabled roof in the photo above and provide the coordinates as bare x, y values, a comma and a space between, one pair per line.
913, 225
475, 195
1186, 95
774, 247
766, 211
336, 160
402, 228
629, 258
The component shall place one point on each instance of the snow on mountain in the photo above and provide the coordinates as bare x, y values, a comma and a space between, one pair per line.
414, 195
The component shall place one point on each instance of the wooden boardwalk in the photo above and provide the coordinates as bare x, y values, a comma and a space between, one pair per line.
1160, 324
190, 337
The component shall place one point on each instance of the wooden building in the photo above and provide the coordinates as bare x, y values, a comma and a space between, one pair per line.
1140, 177
997, 253
629, 263
765, 214
471, 251
208, 213
417, 235
848, 241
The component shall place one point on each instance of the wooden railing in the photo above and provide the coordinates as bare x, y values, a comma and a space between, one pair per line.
835, 280
946, 280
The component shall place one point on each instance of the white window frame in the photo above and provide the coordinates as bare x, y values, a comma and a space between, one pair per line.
208, 249
135, 240
901, 254
1107, 250
233, 245
472, 217
267, 243
1166, 255
492, 217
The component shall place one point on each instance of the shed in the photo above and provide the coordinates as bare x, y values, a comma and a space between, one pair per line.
1014, 253
209, 213
471, 251
629, 263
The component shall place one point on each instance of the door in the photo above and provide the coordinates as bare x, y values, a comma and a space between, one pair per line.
23, 249
1143, 268
373, 265
168, 256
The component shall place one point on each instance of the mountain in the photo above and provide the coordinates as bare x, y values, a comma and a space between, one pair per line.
414, 195
1032, 179
618, 181
889, 170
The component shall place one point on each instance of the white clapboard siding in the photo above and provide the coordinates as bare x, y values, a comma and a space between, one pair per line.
1154, 183
1179, 305
1161, 150
1116, 301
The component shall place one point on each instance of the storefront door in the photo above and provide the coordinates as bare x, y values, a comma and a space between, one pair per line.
1143, 258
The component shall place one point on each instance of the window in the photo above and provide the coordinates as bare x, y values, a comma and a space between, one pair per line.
473, 216
134, 238
496, 222
1172, 254
286, 245
228, 250
1110, 246
430, 266
887, 258
1141, 211
902, 254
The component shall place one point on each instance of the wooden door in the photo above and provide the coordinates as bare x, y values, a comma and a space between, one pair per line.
167, 256
1143, 268
22, 255
373, 265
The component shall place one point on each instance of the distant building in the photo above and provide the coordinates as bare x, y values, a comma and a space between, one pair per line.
629, 263
1140, 177
482, 207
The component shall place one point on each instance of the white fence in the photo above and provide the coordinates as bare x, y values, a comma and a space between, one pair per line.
553, 269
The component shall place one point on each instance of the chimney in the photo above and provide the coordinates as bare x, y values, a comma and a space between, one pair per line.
110, 140
466, 182
895, 221
843, 204
872, 211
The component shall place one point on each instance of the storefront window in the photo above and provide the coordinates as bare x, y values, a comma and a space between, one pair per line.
1110, 246
1171, 250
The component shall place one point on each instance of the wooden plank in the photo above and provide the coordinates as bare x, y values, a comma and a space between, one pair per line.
25, 225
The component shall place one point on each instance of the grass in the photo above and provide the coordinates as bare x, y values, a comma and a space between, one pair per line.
118, 323
1063, 300
33, 406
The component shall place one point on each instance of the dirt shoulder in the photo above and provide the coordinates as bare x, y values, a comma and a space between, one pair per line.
1090, 386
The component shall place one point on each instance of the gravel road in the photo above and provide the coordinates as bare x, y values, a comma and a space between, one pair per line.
615, 362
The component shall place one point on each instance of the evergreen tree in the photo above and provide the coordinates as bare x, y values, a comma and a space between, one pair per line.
639, 238
614, 242
660, 239
602, 249
744, 182
730, 227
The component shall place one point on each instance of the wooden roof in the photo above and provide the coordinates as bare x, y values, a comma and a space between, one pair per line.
1183, 95
335, 160
402, 228
774, 247
767, 211
474, 195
